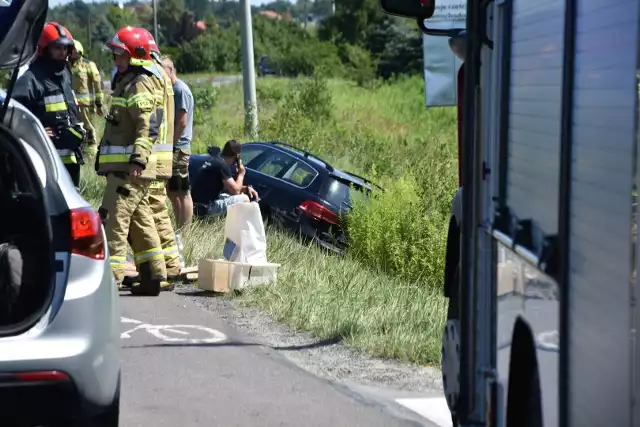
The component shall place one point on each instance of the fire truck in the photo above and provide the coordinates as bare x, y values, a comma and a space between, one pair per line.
542, 254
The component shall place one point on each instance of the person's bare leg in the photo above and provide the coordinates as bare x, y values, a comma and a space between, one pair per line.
187, 209
182, 208
176, 202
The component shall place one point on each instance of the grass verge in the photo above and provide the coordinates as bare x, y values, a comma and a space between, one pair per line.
329, 296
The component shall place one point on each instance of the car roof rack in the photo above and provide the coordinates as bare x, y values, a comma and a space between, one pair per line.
367, 180
305, 153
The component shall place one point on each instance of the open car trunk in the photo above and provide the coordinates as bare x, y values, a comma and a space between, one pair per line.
27, 253
32, 259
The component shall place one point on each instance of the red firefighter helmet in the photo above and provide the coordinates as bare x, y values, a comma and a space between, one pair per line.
152, 42
133, 41
54, 33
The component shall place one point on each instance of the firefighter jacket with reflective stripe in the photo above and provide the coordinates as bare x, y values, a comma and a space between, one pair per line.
87, 83
132, 125
49, 96
164, 146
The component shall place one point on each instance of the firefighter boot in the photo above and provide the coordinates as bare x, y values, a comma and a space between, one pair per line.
148, 285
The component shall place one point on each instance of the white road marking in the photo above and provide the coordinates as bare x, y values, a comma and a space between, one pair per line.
434, 409
159, 331
549, 340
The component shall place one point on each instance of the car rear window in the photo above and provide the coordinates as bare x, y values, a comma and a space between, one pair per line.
342, 193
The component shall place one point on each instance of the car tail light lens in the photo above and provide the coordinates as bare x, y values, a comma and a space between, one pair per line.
38, 376
317, 211
86, 233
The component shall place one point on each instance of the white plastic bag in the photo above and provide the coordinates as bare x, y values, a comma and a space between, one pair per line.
245, 239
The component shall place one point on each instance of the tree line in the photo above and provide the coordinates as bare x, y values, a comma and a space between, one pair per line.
358, 41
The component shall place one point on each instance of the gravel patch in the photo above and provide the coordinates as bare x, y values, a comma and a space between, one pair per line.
331, 360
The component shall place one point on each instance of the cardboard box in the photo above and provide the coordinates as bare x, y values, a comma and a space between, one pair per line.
225, 276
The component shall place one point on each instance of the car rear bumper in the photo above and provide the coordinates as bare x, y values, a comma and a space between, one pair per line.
82, 340
320, 233
39, 402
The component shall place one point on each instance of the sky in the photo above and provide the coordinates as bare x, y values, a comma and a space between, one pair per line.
54, 3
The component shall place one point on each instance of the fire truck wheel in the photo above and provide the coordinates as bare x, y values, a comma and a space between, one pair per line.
451, 363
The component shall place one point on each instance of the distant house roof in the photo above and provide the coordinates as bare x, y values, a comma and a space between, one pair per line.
270, 14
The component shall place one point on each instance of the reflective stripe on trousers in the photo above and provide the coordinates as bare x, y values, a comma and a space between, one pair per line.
118, 262
150, 254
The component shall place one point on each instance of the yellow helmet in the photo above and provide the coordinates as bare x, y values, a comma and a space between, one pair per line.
78, 47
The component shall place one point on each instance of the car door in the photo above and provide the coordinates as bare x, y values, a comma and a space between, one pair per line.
281, 181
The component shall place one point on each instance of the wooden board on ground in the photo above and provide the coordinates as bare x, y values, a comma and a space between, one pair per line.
189, 273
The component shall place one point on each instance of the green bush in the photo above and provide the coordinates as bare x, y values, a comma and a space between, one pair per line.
360, 66
396, 231
218, 50
304, 59
301, 112
205, 99
267, 93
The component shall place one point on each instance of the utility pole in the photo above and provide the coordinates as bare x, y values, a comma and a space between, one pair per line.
89, 30
155, 21
248, 71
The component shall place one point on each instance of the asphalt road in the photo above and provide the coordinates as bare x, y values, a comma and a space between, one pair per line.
211, 375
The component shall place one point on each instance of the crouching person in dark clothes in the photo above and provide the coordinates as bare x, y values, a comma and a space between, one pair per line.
214, 188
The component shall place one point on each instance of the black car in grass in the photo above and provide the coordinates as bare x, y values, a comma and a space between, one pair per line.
298, 191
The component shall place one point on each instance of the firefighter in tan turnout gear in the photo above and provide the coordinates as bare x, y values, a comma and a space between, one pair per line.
164, 154
126, 157
87, 85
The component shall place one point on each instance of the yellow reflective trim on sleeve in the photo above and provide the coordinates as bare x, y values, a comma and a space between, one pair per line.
69, 160
145, 143
114, 158
58, 106
141, 100
76, 133
119, 102
99, 96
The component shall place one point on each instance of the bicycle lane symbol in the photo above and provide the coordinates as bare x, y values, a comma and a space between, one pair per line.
160, 332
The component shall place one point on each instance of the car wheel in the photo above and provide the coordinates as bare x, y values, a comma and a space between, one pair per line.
109, 418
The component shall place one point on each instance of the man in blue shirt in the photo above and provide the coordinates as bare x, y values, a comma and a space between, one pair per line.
178, 186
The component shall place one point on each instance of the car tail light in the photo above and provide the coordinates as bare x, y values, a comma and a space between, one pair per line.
86, 233
38, 376
317, 211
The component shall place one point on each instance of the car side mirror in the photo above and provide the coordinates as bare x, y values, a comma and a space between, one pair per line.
444, 19
422, 9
